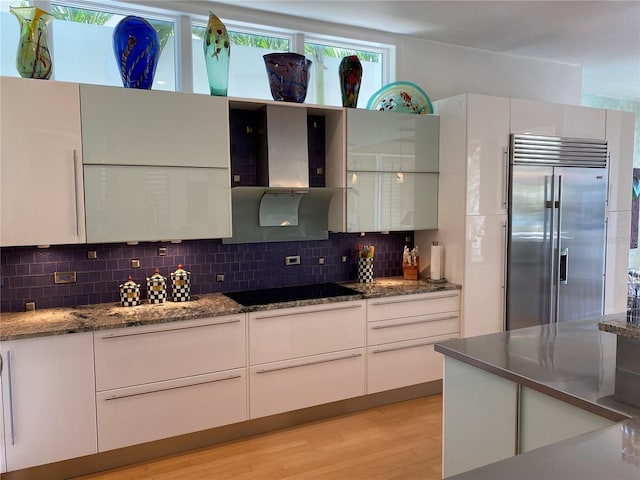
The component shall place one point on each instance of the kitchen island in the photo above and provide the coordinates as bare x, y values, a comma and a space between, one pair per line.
521, 391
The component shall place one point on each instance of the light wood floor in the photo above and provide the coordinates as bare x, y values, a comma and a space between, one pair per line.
400, 441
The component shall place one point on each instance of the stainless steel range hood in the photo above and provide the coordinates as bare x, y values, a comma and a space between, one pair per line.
284, 207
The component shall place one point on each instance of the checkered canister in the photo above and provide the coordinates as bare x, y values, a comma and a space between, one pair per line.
157, 288
130, 293
365, 270
180, 285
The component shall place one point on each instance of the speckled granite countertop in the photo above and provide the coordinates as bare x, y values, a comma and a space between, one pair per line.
58, 321
619, 326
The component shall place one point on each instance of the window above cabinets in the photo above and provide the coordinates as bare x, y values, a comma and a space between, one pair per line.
82, 37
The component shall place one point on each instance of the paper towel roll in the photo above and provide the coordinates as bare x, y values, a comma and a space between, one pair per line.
436, 262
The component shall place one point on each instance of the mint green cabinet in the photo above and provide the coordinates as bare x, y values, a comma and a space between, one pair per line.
156, 165
392, 171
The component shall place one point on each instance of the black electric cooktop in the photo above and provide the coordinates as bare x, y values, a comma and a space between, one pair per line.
290, 294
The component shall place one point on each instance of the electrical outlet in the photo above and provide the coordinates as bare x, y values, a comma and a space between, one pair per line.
344, 259
92, 254
321, 261
220, 277
162, 251
407, 239
135, 263
292, 260
29, 306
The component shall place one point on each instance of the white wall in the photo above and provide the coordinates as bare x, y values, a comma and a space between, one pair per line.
444, 70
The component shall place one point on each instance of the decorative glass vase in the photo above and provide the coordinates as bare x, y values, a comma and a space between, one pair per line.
216, 55
33, 59
136, 46
288, 76
350, 72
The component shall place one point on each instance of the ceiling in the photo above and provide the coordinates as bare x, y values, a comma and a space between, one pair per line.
601, 36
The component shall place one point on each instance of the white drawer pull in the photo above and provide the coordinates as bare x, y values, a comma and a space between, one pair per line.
406, 300
119, 335
320, 310
404, 347
415, 322
335, 359
117, 397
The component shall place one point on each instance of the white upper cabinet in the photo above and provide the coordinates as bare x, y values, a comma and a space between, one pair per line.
392, 171
41, 199
487, 166
156, 165
558, 120
620, 131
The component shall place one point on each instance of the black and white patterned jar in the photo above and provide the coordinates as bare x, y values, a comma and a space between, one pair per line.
130, 293
365, 270
157, 288
180, 285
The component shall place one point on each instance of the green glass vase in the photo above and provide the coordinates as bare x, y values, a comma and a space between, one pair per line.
33, 59
216, 55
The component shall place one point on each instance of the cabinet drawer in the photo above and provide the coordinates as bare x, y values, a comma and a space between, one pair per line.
304, 382
128, 416
412, 305
407, 328
296, 332
138, 355
401, 364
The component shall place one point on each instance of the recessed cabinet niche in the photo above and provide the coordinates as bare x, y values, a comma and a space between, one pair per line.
156, 165
392, 171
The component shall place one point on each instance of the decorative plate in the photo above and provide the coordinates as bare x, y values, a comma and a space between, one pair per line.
405, 97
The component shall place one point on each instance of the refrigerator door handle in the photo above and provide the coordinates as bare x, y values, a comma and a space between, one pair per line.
564, 266
550, 245
557, 253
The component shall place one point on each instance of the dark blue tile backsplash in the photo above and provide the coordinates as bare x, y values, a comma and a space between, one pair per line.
26, 273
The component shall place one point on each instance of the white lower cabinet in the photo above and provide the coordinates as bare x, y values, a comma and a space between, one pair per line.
49, 399
158, 381
401, 331
143, 413
305, 356
304, 382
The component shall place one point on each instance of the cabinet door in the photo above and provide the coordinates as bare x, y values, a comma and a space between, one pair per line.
41, 200
49, 399
156, 203
545, 420
303, 331
487, 142
620, 135
303, 382
133, 415
484, 290
553, 119
479, 418
153, 353
391, 142
385, 201
125, 126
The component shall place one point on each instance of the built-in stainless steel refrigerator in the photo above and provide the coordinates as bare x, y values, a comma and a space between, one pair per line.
556, 229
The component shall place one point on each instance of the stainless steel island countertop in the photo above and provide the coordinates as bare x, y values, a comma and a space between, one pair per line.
573, 362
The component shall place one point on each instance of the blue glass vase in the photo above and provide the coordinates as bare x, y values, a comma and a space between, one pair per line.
216, 55
136, 46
